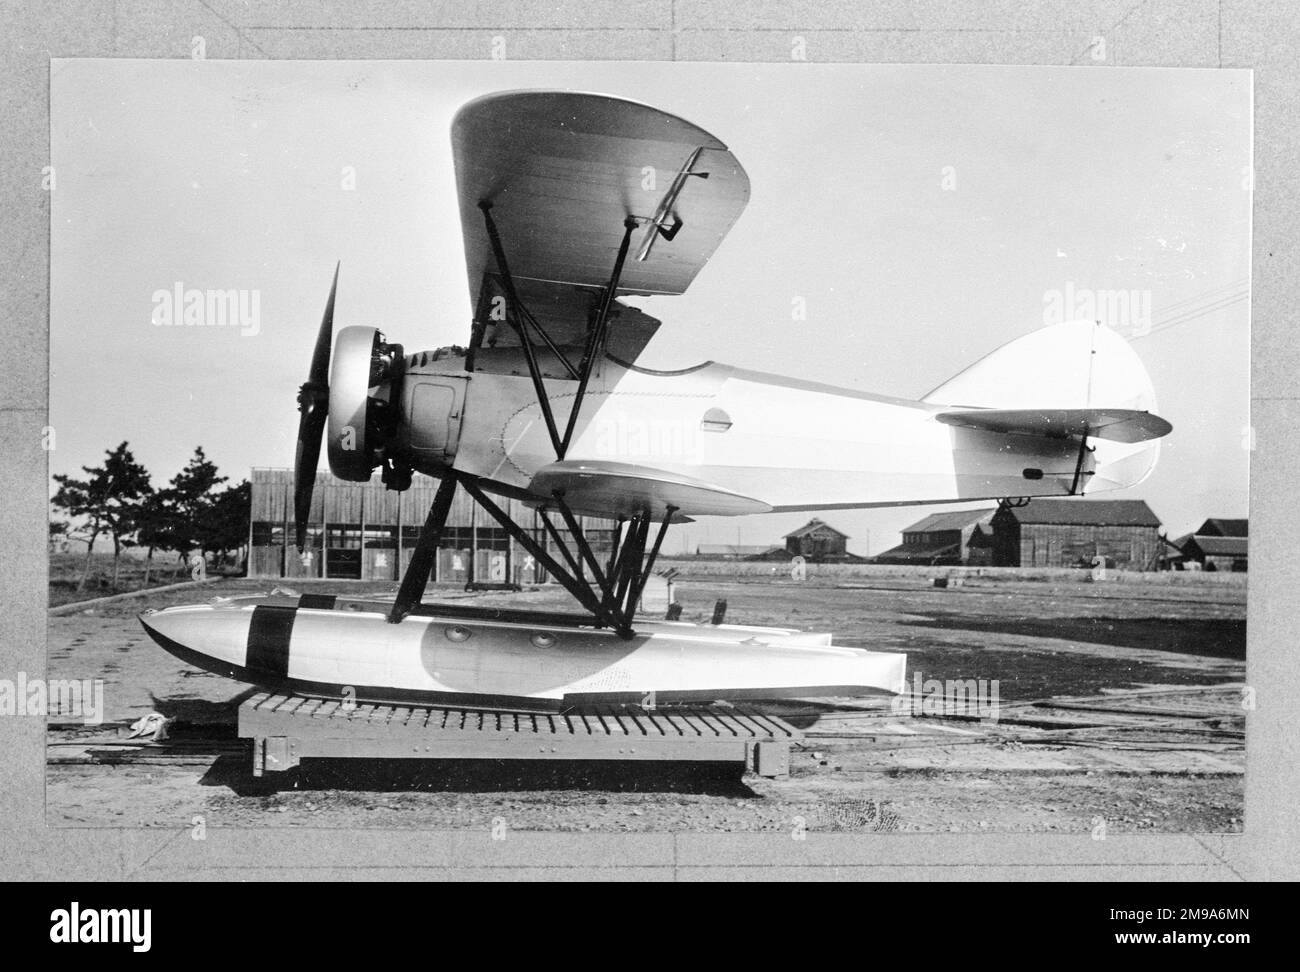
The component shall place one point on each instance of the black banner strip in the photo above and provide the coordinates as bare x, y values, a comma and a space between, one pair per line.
268, 639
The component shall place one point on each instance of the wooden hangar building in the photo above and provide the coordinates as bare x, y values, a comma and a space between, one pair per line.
363, 531
1219, 544
953, 538
1071, 533
819, 542
1042, 533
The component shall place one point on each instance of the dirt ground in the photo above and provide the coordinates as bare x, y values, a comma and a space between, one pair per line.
1118, 707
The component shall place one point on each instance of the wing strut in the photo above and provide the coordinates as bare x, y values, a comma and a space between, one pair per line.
1078, 465
596, 335
426, 550
611, 595
520, 319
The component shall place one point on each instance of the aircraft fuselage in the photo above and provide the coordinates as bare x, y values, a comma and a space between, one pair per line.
793, 444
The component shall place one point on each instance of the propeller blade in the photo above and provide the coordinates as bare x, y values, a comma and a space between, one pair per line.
313, 404
320, 356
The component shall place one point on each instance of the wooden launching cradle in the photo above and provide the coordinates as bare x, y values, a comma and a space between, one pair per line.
288, 728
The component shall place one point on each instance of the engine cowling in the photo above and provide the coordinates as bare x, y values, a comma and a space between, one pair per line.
364, 402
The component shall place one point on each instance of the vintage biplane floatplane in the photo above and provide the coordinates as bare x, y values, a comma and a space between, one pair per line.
558, 224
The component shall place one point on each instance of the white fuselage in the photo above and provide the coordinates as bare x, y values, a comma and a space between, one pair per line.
794, 445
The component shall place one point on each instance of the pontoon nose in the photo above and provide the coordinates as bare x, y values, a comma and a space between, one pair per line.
215, 641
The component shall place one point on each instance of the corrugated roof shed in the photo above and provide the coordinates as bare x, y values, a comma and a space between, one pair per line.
952, 520
1065, 512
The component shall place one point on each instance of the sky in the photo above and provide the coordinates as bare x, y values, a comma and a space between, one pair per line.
920, 215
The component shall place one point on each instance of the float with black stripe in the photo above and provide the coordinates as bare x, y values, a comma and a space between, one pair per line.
345, 648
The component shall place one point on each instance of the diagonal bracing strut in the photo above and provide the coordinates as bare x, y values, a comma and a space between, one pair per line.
1078, 465
519, 319
611, 595
426, 550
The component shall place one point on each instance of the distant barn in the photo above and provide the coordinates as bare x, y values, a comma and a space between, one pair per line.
952, 538
1219, 544
816, 541
1071, 533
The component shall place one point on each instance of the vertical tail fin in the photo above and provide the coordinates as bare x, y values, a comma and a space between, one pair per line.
1079, 364
1075, 365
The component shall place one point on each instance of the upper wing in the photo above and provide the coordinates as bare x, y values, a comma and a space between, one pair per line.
562, 171
1116, 424
623, 489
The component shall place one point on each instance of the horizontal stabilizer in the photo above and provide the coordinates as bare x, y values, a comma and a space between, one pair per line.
622, 489
1115, 424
